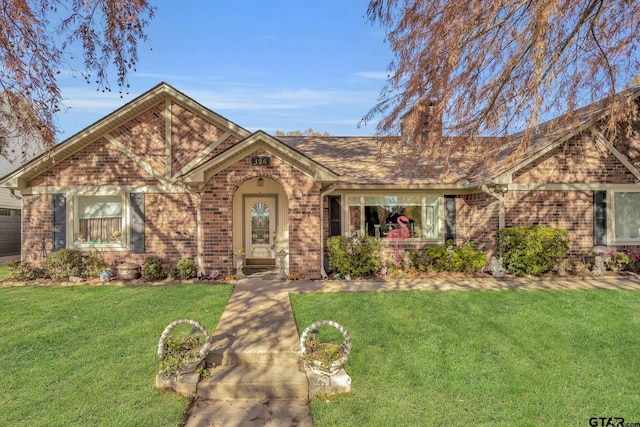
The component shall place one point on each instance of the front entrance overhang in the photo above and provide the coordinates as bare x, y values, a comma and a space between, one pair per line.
321, 175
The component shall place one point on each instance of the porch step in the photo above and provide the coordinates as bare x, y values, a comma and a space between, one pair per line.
260, 261
242, 381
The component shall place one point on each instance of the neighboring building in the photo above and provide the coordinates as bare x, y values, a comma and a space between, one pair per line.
9, 216
164, 175
20, 149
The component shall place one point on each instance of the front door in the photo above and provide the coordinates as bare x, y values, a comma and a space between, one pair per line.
260, 227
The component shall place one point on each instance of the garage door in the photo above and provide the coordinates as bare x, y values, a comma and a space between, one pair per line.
9, 232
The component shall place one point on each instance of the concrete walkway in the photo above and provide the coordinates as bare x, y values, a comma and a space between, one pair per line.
257, 380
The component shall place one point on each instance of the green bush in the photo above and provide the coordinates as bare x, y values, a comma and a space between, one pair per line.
92, 266
21, 271
185, 269
354, 256
463, 259
532, 250
152, 268
62, 264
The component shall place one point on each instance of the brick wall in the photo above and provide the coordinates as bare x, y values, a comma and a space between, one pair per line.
145, 136
96, 165
578, 160
477, 221
571, 210
37, 214
170, 226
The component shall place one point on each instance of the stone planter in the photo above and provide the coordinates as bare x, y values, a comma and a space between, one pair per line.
129, 271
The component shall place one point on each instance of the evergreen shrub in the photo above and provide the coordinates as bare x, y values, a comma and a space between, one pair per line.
63, 263
152, 268
354, 256
532, 250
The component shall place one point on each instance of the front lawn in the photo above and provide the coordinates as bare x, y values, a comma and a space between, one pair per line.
526, 358
86, 356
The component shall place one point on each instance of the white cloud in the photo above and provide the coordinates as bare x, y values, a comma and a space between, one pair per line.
373, 75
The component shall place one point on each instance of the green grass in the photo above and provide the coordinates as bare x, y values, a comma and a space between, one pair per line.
80, 356
483, 358
4, 272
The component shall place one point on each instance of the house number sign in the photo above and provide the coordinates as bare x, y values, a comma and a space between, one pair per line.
260, 161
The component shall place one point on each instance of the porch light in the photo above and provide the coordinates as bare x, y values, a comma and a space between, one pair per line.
260, 182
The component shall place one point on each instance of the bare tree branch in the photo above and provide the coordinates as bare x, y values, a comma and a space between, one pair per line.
496, 67
34, 50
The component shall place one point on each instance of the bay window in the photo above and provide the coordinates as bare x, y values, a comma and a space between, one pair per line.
378, 215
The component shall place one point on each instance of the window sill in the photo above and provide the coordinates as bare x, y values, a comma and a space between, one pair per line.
100, 247
412, 240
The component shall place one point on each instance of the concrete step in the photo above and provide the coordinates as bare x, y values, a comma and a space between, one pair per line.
251, 358
284, 381
250, 413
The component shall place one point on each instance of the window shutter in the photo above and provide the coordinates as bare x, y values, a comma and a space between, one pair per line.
335, 226
599, 218
449, 218
136, 222
59, 221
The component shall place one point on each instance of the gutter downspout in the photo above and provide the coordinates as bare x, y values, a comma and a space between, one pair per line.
493, 192
13, 194
329, 190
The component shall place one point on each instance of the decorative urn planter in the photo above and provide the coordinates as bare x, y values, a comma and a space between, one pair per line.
337, 353
129, 271
181, 358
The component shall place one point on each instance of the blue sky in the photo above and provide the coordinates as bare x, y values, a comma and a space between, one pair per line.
269, 65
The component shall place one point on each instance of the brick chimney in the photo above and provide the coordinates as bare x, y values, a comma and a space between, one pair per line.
430, 122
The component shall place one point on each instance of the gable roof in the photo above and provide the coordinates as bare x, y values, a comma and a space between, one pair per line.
345, 161
319, 172
549, 135
159, 93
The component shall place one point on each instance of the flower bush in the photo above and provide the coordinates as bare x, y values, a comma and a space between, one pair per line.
623, 260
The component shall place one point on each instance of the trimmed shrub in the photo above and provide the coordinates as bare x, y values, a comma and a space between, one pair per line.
152, 268
532, 250
92, 266
185, 269
21, 271
463, 259
354, 256
62, 264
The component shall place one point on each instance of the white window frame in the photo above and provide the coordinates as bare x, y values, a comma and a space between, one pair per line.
73, 222
439, 226
611, 220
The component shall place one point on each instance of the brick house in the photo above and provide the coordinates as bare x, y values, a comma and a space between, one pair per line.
164, 175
